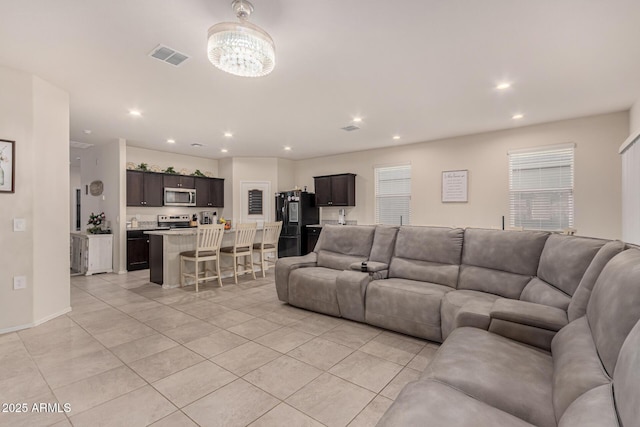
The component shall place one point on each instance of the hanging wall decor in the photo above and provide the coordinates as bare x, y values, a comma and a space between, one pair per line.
7, 166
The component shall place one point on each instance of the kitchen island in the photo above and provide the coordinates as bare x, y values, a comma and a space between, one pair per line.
164, 254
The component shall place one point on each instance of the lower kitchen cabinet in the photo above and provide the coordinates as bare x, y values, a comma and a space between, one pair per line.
91, 253
137, 250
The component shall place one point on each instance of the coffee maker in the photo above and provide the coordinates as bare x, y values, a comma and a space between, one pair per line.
208, 217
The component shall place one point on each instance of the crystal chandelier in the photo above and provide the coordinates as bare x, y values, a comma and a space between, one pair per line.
241, 48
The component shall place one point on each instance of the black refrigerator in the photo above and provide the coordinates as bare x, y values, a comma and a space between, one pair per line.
296, 209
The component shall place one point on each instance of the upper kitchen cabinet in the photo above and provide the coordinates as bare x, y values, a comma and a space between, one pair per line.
335, 190
144, 188
179, 181
209, 192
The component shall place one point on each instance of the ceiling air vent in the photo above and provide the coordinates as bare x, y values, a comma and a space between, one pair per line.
350, 128
168, 55
76, 144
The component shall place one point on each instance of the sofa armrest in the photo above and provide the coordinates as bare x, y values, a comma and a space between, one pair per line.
284, 267
531, 314
527, 322
372, 266
377, 270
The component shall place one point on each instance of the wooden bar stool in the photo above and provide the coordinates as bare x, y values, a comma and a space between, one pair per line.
270, 236
242, 247
208, 241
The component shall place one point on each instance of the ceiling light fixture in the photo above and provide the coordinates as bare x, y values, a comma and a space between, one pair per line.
196, 145
241, 48
171, 141
396, 137
228, 134
287, 148
135, 113
224, 150
357, 119
517, 116
503, 86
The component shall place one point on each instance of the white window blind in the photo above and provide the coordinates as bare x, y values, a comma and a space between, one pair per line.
393, 195
541, 188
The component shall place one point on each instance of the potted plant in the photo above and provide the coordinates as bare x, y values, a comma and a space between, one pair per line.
171, 170
198, 173
143, 167
96, 221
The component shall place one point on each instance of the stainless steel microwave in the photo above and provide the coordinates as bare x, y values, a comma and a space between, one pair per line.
179, 196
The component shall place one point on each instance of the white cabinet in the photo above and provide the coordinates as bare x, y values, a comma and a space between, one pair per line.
91, 253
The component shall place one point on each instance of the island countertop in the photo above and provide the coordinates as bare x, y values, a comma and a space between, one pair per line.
180, 232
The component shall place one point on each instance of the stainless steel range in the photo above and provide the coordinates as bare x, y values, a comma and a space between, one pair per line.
173, 221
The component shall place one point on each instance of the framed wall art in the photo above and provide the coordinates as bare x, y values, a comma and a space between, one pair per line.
7, 166
455, 186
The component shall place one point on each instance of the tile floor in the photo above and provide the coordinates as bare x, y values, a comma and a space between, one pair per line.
133, 354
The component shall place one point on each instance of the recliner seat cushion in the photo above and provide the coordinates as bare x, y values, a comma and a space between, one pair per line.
500, 372
406, 306
314, 288
466, 308
626, 380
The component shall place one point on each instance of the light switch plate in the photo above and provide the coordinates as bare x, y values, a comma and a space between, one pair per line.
19, 282
19, 224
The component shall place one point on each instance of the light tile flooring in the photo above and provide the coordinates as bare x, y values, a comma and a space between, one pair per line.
133, 354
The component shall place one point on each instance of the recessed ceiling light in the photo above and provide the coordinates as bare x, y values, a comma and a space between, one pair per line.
503, 86
287, 148
228, 134
171, 141
87, 131
224, 150
517, 116
396, 137
357, 119
135, 113
196, 145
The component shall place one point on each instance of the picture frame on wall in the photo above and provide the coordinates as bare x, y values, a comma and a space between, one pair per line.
455, 185
7, 166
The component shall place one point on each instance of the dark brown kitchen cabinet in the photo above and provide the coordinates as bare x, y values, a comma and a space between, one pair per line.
179, 181
335, 190
137, 250
209, 192
144, 188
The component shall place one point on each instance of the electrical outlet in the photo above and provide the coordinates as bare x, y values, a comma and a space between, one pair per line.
19, 282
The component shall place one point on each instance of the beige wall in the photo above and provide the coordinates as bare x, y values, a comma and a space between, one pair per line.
634, 117
35, 115
164, 159
597, 174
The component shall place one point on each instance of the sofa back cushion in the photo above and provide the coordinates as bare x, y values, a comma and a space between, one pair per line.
580, 299
563, 263
428, 254
341, 245
384, 242
500, 262
626, 379
613, 308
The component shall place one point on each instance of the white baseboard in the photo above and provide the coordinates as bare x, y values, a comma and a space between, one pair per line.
36, 323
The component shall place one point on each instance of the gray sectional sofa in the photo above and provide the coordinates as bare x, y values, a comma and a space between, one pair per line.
537, 328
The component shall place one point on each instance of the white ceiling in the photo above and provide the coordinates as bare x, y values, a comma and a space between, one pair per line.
423, 69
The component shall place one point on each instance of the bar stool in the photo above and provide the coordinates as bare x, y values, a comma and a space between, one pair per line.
270, 236
208, 240
242, 247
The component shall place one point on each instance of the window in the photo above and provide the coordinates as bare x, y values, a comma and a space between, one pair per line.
393, 195
541, 188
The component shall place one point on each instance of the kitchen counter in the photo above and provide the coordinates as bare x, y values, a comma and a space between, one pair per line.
164, 254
